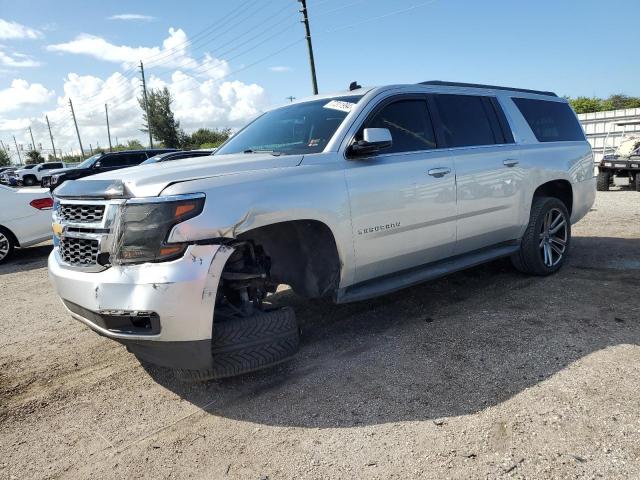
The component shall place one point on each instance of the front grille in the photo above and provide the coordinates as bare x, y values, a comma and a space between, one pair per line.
79, 251
81, 213
46, 181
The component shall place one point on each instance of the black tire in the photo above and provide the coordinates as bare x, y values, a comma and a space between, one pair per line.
29, 181
637, 181
530, 258
247, 344
7, 244
604, 179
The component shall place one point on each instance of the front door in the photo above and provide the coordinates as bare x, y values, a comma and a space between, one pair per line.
403, 199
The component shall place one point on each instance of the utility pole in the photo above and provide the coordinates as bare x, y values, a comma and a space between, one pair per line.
106, 112
308, 33
33, 143
146, 103
17, 150
53, 147
73, 114
290, 98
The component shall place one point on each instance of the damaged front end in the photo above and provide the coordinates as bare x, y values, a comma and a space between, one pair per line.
115, 271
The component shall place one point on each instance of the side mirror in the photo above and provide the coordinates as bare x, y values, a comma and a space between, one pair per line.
373, 140
97, 164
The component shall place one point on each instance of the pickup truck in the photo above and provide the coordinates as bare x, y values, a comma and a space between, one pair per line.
347, 196
32, 174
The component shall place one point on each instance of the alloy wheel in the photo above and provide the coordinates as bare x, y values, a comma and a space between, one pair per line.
553, 237
5, 246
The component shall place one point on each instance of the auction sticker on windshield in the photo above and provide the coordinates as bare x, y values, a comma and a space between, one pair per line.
340, 105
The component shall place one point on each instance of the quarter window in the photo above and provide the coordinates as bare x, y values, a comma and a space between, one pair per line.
409, 124
468, 120
550, 121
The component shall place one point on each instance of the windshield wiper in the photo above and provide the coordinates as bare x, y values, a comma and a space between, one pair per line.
272, 152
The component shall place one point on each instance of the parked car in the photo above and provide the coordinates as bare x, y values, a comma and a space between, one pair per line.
102, 162
169, 156
25, 218
32, 174
346, 196
5, 172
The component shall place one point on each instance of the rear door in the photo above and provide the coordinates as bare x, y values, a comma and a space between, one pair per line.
489, 180
402, 199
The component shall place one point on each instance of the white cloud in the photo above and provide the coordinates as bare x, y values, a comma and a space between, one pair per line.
131, 17
203, 95
280, 68
172, 54
16, 60
15, 30
21, 93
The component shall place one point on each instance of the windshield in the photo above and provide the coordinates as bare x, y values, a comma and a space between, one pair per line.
295, 129
89, 161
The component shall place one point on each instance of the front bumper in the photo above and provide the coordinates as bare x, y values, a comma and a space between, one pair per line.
181, 294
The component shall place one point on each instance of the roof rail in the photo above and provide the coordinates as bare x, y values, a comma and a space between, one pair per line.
491, 87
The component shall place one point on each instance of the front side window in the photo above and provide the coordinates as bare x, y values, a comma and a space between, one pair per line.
409, 124
466, 120
295, 129
550, 121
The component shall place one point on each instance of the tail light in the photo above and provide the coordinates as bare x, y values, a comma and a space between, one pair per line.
42, 203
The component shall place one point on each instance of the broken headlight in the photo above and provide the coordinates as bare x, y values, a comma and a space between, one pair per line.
145, 225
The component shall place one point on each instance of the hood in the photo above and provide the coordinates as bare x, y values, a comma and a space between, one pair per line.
56, 171
150, 180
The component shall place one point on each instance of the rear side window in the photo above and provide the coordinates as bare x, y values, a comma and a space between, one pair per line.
468, 120
409, 124
550, 121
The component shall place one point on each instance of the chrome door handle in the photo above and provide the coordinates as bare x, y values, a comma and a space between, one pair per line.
510, 162
439, 172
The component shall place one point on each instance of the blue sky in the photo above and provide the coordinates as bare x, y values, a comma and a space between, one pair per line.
564, 46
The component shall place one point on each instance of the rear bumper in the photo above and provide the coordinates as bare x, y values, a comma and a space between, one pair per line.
584, 194
178, 295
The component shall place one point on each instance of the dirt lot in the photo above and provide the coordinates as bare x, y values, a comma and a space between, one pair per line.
484, 374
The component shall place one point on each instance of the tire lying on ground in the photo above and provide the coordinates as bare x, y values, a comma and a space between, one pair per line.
242, 345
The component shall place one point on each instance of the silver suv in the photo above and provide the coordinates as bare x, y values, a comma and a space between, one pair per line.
349, 196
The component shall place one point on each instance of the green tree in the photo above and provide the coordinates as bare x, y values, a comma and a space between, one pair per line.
33, 156
620, 101
5, 160
586, 104
164, 127
206, 138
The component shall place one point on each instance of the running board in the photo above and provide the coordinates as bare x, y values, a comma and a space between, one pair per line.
414, 276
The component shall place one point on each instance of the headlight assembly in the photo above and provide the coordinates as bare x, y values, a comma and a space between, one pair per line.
145, 224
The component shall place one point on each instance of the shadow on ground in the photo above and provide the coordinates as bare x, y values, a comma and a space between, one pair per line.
446, 348
25, 259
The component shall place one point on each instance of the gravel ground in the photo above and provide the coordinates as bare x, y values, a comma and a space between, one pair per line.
483, 374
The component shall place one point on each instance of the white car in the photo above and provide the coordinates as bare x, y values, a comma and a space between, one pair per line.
32, 174
25, 218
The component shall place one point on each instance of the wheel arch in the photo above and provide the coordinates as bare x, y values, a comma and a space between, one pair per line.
560, 189
304, 254
10, 234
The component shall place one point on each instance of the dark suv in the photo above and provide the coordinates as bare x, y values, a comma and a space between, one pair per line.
99, 163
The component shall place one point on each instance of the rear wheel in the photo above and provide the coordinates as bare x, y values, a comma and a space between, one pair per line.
604, 179
6, 244
545, 243
637, 181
